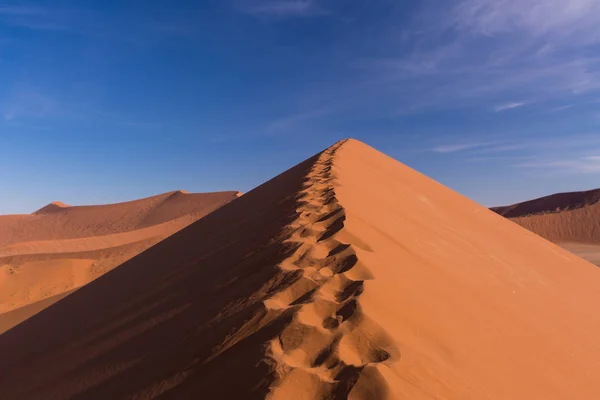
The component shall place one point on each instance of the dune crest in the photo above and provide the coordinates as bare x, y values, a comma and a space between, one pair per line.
348, 276
59, 248
330, 344
579, 225
56, 222
54, 206
554, 203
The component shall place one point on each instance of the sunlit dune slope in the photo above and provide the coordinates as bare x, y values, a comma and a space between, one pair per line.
348, 276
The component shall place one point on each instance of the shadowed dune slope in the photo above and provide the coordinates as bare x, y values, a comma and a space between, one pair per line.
348, 276
75, 245
58, 221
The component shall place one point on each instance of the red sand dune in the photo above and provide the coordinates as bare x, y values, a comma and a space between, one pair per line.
569, 219
563, 217
348, 276
581, 225
60, 248
59, 221
554, 203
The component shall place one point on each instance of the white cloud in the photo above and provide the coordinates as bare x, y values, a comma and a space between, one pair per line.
291, 122
478, 52
456, 147
284, 8
559, 18
13, 10
29, 102
581, 165
508, 106
561, 108
507, 147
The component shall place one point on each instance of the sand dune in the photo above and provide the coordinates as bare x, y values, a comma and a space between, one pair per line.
348, 276
554, 203
581, 225
571, 220
58, 221
60, 248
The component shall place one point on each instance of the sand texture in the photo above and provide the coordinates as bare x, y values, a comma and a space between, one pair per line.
348, 276
554, 203
60, 248
580, 225
571, 220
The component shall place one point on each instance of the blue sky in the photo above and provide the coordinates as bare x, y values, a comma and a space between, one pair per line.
106, 101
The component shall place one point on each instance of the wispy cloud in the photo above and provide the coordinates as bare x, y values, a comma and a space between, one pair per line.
528, 146
291, 122
580, 165
30, 106
137, 29
456, 147
28, 102
15, 10
284, 8
478, 52
561, 108
505, 147
557, 18
43, 19
508, 106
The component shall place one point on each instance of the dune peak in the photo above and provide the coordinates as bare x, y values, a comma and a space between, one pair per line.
53, 206
348, 276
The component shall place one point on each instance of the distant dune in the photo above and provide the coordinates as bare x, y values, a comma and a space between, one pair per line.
552, 204
60, 248
569, 219
59, 221
348, 276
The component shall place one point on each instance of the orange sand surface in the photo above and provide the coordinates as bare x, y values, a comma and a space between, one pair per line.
348, 276
60, 248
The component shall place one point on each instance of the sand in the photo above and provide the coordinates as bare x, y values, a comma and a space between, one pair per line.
572, 220
58, 221
590, 252
554, 203
60, 248
348, 276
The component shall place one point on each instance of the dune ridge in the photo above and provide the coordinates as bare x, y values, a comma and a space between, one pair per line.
554, 203
329, 345
348, 276
54, 222
73, 245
